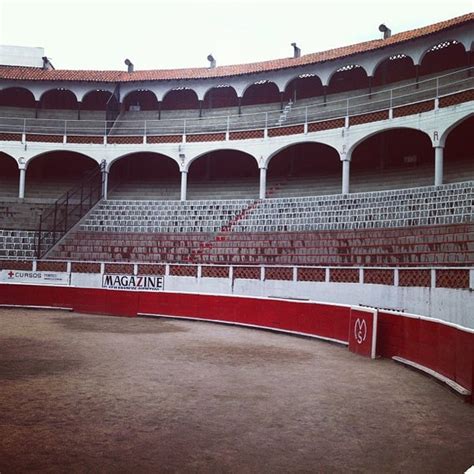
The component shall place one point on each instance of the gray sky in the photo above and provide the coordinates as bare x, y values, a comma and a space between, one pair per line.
100, 34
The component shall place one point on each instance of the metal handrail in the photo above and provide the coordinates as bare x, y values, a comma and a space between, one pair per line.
67, 210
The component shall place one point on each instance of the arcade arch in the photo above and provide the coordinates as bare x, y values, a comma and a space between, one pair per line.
144, 175
230, 173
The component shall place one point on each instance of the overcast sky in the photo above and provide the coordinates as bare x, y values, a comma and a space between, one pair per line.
162, 34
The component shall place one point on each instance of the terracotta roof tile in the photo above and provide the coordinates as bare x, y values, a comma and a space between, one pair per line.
38, 74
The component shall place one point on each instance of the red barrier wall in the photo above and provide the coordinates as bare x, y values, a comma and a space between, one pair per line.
445, 349
322, 320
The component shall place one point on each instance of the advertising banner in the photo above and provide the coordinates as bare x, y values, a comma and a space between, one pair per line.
40, 278
133, 282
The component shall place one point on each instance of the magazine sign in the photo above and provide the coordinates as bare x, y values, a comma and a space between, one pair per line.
39, 278
133, 282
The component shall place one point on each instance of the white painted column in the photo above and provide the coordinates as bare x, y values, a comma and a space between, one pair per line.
439, 155
346, 175
21, 186
105, 183
184, 184
263, 183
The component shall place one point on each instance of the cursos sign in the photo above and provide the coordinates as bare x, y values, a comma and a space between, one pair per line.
133, 282
42, 278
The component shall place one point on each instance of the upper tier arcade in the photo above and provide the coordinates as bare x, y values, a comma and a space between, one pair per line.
410, 54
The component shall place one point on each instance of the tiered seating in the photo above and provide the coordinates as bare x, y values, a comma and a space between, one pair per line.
17, 214
448, 204
197, 190
17, 244
431, 229
164, 216
416, 246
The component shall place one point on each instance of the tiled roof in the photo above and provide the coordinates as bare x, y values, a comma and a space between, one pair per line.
38, 74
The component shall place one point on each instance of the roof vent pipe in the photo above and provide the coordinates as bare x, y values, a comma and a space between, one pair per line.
212, 61
129, 65
296, 51
387, 32
47, 64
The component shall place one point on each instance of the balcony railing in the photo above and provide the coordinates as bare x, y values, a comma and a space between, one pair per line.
315, 110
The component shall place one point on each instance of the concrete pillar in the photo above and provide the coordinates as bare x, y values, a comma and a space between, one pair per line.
184, 184
21, 187
263, 183
105, 183
346, 175
439, 154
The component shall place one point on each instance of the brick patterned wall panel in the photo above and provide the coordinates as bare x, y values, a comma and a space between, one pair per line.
83, 267
146, 269
281, 131
115, 140
456, 278
379, 277
344, 275
311, 274
10, 137
247, 273
413, 109
246, 134
206, 137
33, 137
215, 272
366, 118
326, 125
279, 273
122, 268
164, 139
459, 98
47, 266
183, 270
15, 265
86, 139
420, 278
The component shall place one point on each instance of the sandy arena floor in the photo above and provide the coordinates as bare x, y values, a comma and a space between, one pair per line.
81, 393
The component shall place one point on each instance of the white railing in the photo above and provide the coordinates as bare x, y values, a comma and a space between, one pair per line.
315, 110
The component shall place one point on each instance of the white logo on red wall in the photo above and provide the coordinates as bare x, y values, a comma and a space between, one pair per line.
360, 330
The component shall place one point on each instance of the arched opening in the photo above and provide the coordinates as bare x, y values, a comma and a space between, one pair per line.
220, 97
458, 156
9, 176
58, 99
144, 176
263, 92
180, 99
304, 169
141, 100
223, 174
304, 86
96, 100
392, 159
443, 56
17, 97
396, 68
348, 78
51, 174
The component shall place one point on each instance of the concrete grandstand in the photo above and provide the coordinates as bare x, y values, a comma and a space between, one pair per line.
345, 176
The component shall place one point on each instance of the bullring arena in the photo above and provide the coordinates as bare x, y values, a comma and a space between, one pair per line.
319, 207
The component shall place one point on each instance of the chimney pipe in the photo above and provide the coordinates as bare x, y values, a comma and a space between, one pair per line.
212, 61
129, 65
387, 32
296, 51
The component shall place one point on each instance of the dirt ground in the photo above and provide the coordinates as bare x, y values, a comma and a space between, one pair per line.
83, 393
